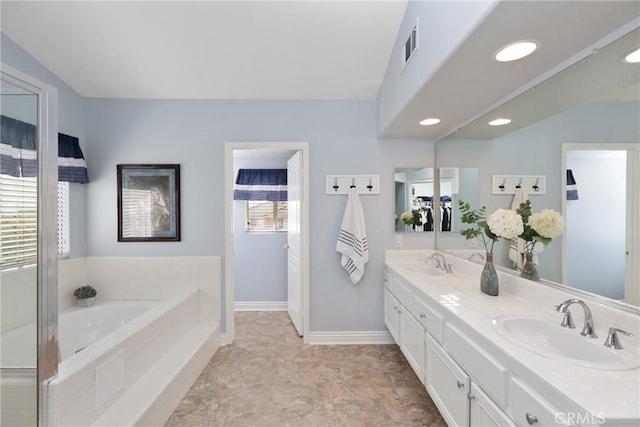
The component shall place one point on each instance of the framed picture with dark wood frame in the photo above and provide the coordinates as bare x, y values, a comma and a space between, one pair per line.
149, 203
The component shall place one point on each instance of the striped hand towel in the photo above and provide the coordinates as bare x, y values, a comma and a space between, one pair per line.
352, 238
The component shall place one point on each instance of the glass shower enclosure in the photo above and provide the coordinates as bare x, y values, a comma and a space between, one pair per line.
28, 248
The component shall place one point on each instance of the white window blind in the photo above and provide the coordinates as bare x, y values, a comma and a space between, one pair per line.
63, 219
19, 221
266, 216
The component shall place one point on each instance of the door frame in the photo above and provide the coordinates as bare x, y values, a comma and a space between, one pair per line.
228, 301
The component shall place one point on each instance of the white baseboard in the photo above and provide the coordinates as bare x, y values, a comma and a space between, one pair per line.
260, 306
349, 338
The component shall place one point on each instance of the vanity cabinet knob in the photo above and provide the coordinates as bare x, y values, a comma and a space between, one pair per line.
422, 316
460, 384
531, 419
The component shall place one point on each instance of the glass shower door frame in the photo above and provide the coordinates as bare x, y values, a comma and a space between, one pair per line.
47, 268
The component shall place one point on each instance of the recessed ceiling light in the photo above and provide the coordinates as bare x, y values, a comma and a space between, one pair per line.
516, 50
429, 122
633, 57
499, 122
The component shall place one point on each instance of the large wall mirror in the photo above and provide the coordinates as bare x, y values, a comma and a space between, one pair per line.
585, 118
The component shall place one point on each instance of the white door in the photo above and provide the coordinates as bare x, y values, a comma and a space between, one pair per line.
294, 262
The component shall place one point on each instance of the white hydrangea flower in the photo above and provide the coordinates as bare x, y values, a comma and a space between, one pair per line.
547, 223
406, 216
505, 223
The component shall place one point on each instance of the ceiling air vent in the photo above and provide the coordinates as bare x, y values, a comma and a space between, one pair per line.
411, 45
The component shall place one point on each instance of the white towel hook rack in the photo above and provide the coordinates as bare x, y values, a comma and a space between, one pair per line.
364, 184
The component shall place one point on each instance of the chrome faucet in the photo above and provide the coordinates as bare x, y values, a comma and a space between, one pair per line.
442, 266
613, 341
567, 322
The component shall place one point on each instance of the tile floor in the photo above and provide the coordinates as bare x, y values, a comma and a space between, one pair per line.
267, 377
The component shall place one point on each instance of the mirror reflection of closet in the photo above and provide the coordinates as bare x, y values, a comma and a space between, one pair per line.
456, 184
414, 199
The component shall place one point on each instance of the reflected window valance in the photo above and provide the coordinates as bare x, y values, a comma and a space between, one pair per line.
261, 184
18, 152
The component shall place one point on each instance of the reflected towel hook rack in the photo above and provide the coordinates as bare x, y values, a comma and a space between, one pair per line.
335, 184
370, 186
501, 186
353, 183
519, 184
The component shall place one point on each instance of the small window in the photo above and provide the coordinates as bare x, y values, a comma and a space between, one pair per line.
265, 216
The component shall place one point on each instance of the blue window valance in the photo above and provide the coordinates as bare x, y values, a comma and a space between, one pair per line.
18, 152
72, 166
261, 184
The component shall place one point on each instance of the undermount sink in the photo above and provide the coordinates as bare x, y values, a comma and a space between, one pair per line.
428, 270
546, 338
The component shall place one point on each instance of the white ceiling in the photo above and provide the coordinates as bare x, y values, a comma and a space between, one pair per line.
210, 49
300, 49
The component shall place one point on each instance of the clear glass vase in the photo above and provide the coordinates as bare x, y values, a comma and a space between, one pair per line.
529, 269
489, 277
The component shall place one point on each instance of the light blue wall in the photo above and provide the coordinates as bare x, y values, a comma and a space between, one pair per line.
342, 140
71, 121
443, 25
537, 150
260, 260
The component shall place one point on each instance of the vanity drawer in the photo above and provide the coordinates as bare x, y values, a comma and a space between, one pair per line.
429, 318
491, 375
528, 408
401, 292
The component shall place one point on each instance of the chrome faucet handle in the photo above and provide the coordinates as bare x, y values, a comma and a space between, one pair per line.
567, 320
613, 341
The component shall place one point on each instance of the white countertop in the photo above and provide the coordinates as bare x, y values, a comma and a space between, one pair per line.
613, 395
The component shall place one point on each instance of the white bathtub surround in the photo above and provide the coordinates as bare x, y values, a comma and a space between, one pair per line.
137, 374
465, 312
146, 364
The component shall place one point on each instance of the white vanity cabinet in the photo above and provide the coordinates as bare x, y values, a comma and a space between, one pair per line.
466, 382
407, 332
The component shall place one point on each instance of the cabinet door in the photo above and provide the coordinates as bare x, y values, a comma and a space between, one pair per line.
392, 315
484, 412
447, 385
412, 342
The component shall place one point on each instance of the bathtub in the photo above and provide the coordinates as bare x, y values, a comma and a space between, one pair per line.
121, 362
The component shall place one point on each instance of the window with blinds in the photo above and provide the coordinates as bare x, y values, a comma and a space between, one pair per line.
19, 221
265, 216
